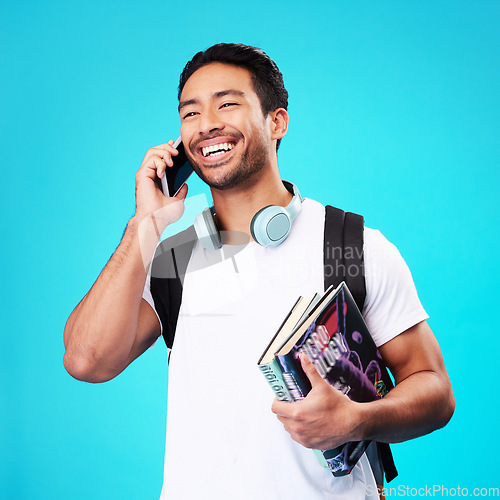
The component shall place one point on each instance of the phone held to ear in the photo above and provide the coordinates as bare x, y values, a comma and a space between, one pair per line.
175, 177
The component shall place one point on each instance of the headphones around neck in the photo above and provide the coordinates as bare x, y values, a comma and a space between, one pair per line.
269, 227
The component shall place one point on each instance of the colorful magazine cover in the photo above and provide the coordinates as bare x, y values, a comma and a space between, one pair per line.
340, 346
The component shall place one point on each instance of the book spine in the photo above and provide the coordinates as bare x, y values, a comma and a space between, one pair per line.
272, 373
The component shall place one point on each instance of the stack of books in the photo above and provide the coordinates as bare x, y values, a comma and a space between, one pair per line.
331, 331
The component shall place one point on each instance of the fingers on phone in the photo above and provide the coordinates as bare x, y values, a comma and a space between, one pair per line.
166, 154
160, 157
161, 149
167, 147
158, 164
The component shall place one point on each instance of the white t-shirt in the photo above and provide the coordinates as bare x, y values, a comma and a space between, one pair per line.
223, 441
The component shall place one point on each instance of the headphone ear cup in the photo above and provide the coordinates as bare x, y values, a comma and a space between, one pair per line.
207, 231
270, 226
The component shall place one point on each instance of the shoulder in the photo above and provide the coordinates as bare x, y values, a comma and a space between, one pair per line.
392, 304
313, 207
384, 264
311, 219
377, 248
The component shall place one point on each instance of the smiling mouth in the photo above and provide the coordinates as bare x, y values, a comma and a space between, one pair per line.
217, 149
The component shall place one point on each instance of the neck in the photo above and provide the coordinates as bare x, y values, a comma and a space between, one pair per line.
235, 208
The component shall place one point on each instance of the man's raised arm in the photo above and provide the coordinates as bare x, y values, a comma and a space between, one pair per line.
113, 325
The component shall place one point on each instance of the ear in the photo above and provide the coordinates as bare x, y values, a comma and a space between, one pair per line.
279, 123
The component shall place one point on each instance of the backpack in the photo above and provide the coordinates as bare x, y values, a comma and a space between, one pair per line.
342, 259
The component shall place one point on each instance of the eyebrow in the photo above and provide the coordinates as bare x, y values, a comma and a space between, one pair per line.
219, 94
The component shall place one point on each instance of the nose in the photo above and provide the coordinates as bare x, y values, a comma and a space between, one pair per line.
210, 122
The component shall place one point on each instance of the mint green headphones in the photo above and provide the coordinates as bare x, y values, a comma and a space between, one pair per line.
269, 227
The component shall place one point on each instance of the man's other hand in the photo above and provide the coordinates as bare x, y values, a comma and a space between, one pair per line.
324, 419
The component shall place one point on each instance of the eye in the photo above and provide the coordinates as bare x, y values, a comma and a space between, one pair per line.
227, 104
187, 115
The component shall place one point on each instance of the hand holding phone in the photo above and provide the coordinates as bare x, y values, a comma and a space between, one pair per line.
176, 176
151, 198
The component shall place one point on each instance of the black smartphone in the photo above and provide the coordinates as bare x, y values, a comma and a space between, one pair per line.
175, 177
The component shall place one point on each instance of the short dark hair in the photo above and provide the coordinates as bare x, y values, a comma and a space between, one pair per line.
266, 77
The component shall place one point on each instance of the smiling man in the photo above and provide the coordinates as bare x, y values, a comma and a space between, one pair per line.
243, 133
224, 438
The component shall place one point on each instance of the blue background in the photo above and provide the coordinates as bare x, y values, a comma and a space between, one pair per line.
394, 114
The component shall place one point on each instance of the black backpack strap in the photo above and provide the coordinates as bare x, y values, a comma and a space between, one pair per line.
343, 261
167, 277
343, 252
387, 460
353, 257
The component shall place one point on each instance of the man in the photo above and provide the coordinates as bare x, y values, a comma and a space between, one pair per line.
222, 439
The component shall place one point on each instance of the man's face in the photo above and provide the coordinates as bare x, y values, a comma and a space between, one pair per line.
226, 136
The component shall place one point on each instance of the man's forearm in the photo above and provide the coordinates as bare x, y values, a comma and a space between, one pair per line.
101, 331
418, 405
422, 400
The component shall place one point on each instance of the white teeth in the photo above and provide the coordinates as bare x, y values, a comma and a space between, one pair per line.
217, 148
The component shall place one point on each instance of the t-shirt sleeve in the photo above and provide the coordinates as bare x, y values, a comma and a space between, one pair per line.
148, 297
392, 304
146, 293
